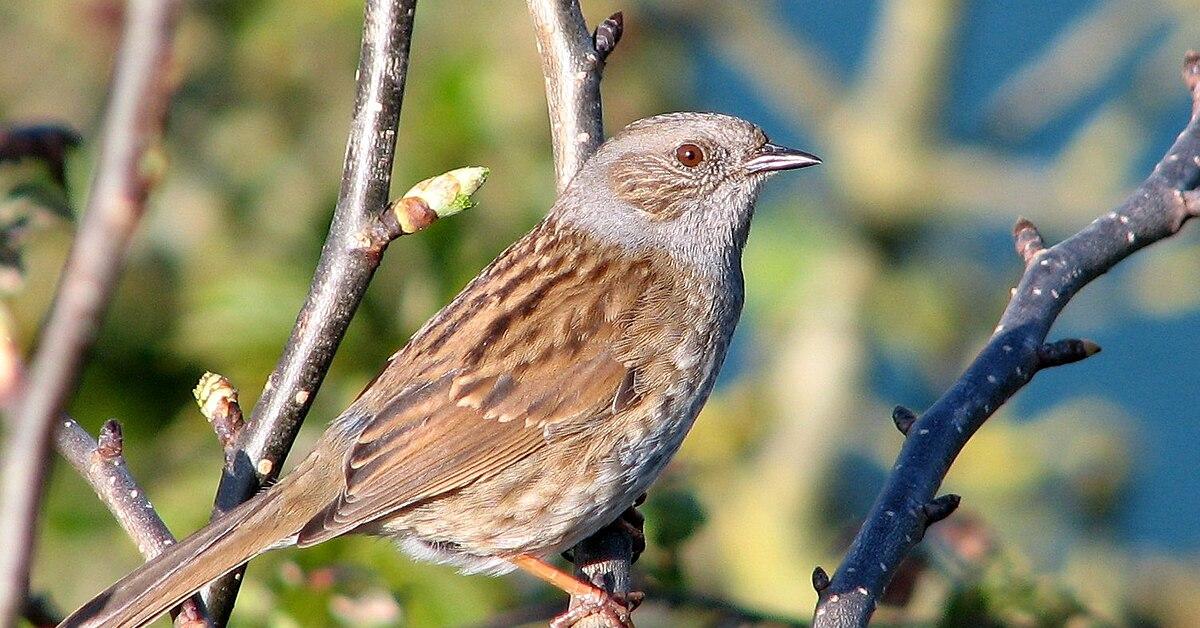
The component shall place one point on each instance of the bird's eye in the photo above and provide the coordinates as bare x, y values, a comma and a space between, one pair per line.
689, 155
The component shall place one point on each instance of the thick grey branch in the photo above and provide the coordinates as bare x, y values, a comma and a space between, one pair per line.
572, 62
1015, 352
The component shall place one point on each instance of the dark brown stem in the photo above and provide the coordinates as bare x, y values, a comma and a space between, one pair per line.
1015, 352
342, 275
134, 120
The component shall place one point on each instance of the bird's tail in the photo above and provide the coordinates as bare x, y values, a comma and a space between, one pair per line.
210, 553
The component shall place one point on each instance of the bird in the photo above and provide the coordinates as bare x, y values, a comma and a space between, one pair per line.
538, 405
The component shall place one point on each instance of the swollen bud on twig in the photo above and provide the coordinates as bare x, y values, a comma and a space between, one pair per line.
1027, 239
111, 442
1065, 352
940, 508
903, 418
820, 579
218, 401
437, 197
608, 34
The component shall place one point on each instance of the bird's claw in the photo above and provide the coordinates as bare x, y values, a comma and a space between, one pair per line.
614, 610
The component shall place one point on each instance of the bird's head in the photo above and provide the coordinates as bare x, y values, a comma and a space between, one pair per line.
681, 181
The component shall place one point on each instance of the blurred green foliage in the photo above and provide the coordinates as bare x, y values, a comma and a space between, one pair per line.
874, 261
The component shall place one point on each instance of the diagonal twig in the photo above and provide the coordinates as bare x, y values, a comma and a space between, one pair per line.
102, 464
349, 258
1016, 351
135, 118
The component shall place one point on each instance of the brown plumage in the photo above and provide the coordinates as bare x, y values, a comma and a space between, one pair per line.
544, 399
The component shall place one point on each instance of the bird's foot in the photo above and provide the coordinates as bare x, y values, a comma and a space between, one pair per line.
614, 610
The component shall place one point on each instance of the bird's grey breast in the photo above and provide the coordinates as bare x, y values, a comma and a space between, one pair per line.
699, 350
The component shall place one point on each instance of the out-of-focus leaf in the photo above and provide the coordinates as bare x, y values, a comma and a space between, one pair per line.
53, 199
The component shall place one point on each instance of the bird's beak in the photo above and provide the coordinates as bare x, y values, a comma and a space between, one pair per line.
773, 158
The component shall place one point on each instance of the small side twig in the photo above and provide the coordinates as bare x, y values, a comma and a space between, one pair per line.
1016, 351
134, 119
218, 401
102, 464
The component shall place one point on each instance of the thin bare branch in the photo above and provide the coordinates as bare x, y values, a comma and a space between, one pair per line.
134, 120
1011, 357
571, 66
102, 464
342, 275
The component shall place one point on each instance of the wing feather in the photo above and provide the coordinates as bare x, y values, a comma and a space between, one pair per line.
529, 351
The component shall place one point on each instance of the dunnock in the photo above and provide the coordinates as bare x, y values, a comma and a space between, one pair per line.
538, 405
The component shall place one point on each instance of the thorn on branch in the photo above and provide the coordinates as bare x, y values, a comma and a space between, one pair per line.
903, 418
940, 508
1028, 240
608, 34
218, 401
1065, 352
111, 442
820, 579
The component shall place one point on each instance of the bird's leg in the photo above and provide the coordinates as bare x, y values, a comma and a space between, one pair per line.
595, 599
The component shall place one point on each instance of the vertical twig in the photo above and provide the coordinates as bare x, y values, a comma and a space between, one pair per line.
135, 118
571, 66
342, 274
572, 63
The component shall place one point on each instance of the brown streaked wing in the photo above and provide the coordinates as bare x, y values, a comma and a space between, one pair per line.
528, 352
